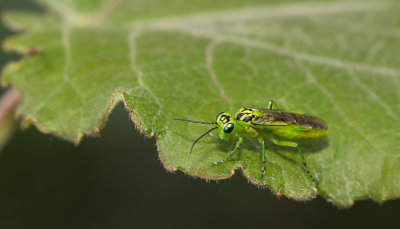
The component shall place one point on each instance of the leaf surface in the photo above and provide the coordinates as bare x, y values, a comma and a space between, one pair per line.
337, 60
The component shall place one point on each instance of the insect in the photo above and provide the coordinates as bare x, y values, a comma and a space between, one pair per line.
268, 122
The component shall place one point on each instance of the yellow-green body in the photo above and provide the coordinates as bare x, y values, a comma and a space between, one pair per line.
271, 123
287, 125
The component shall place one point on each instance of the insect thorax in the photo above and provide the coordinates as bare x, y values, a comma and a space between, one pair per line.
246, 115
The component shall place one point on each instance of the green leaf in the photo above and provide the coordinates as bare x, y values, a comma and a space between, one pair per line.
337, 60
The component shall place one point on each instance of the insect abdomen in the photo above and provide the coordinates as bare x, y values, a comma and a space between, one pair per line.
290, 125
296, 132
309, 122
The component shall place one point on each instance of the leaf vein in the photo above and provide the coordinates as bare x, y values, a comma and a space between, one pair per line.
132, 56
316, 59
376, 98
336, 108
209, 64
106, 9
66, 41
267, 12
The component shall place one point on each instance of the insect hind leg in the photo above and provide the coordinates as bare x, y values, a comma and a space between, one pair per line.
294, 145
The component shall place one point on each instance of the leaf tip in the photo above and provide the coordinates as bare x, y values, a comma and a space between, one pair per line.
8, 20
133, 116
26, 123
8, 70
78, 139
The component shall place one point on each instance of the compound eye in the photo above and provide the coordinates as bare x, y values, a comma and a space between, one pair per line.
228, 128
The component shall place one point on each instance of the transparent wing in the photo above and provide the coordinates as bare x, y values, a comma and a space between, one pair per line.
280, 118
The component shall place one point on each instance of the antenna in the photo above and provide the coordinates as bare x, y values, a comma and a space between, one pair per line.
186, 120
201, 137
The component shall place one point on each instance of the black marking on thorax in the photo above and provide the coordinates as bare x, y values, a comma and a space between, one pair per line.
245, 115
248, 118
239, 116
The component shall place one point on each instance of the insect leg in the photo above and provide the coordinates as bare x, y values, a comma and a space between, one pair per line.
271, 104
294, 145
238, 143
261, 140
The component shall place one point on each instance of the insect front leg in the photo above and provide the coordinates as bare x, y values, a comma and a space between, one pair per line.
238, 143
294, 145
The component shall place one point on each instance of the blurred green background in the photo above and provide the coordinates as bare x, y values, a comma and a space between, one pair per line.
117, 181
